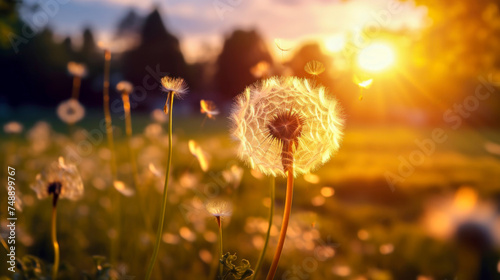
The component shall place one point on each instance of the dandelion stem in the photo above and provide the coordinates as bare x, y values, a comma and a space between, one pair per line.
76, 87
271, 213
107, 113
55, 268
111, 146
284, 224
221, 250
128, 130
165, 188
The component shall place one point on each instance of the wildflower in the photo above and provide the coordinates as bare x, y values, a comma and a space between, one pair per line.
208, 107
314, 68
77, 69
124, 87
278, 117
70, 111
175, 85
13, 128
219, 208
59, 179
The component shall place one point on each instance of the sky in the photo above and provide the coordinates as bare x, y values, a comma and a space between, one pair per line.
202, 25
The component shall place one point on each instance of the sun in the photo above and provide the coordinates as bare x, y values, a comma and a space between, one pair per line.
376, 57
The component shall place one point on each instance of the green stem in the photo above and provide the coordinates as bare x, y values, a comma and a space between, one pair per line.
221, 250
55, 244
271, 213
165, 188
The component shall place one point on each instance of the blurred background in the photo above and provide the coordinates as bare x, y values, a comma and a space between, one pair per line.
413, 193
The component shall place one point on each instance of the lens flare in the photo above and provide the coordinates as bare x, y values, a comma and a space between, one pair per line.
376, 57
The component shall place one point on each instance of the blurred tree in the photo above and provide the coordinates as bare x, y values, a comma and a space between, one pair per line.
459, 44
158, 53
241, 51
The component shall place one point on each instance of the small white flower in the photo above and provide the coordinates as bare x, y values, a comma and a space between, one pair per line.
124, 87
77, 69
59, 179
70, 111
13, 128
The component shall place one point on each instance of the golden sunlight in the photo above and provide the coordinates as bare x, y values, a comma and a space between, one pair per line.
376, 57
335, 43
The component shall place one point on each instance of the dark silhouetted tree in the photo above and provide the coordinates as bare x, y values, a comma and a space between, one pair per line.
241, 51
158, 50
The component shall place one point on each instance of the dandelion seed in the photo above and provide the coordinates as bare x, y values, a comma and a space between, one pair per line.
77, 69
124, 87
280, 46
70, 111
208, 107
197, 152
314, 68
153, 170
59, 179
366, 83
13, 128
123, 189
363, 84
282, 113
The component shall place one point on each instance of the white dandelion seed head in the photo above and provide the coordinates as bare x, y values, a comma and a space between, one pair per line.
219, 208
66, 175
70, 111
317, 116
13, 127
77, 69
124, 87
175, 85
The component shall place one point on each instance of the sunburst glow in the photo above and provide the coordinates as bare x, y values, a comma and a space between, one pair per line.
376, 57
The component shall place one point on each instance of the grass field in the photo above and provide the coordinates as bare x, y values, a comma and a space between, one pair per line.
347, 222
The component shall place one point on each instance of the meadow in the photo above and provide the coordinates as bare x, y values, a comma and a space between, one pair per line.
346, 223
